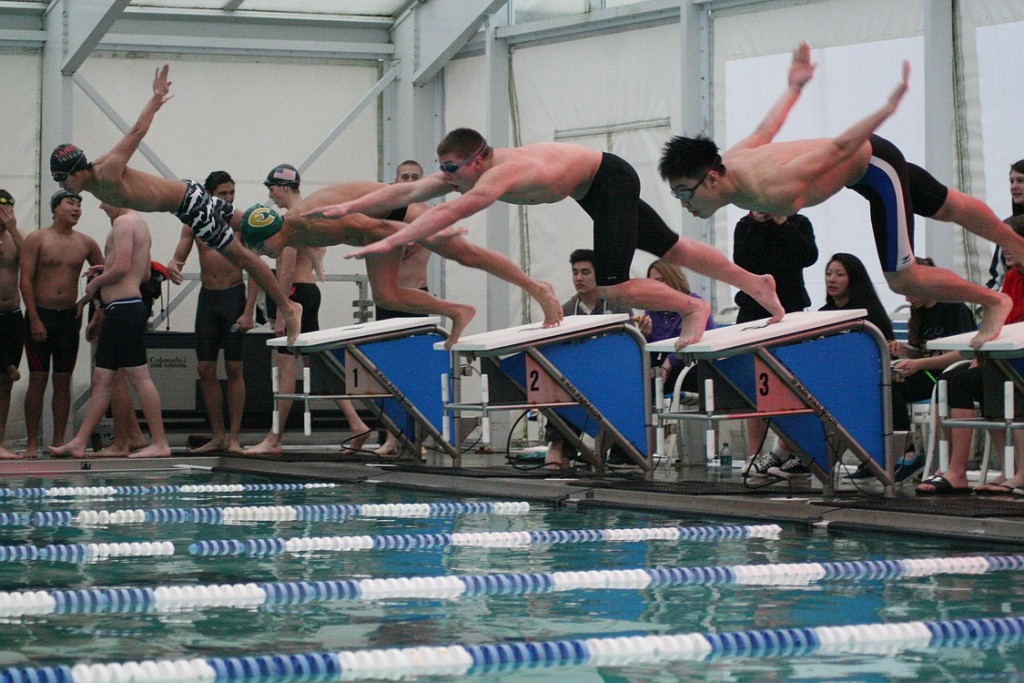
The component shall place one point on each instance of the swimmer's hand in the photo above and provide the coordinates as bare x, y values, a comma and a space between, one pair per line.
801, 70
162, 86
378, 247
334, 211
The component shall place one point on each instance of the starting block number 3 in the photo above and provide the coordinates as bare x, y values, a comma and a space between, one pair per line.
772, 393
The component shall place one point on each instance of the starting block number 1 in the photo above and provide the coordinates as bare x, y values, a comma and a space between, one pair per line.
358, 380
541, 387
772, 393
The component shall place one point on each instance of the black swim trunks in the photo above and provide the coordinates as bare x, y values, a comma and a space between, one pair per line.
208, 216
623, 222
307, 294
62, 334
12, 338
216, 312
896, 190
122, 342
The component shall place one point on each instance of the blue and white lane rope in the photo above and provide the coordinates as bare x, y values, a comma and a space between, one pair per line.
462, 660
260, 513
165, 490
94, 552
84, 552
493, 539
182, 598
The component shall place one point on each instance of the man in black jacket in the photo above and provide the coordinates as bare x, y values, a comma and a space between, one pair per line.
782, 247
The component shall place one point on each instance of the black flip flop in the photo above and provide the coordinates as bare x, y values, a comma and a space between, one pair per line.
942, 487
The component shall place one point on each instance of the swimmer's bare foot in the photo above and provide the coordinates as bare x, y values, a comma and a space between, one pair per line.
763, 293
31, 451
693, 325
235, 447
356, 442
460, 320
545, 295
214, 445
389, 446
68, 450
153, 450
11, 455
992, 319
111, 451
271, 445
292, 321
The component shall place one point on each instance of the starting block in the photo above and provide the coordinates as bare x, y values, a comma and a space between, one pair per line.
589, 373
822, 377
1005, 355
391, 364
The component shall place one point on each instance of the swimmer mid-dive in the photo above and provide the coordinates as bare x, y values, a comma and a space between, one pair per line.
112, 181
607, 188
784, 177
267, 232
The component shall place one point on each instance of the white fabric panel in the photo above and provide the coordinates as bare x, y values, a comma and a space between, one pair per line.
465, 108
857, 70
19, 112
992, 34
600, 83
242, 117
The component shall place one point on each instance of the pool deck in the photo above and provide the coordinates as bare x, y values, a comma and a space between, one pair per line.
694, 491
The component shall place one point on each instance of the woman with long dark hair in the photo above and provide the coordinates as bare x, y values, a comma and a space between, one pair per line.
848, 286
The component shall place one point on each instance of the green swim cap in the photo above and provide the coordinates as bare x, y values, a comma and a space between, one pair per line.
260, 223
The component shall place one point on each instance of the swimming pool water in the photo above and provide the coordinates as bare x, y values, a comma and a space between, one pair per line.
356, 624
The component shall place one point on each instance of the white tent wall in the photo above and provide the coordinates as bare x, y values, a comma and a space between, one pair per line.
614, 93
858, 46
19, 115
992, 33
464, 107
586, 92
244, 117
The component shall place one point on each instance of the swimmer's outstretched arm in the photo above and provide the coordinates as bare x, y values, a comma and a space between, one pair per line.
126, 147
855, 135
801, 70
387, 198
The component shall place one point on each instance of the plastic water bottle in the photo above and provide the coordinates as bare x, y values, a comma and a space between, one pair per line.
725, 458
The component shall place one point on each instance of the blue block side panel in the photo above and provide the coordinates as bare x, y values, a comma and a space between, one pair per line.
843, 372
415, 368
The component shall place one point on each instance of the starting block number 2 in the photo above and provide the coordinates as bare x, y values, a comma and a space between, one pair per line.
772, 393
541, 387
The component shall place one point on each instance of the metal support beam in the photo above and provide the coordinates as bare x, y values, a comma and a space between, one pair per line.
940, 124
497, 122
695, 70
367, 99
444, 28
87, 24
122, 125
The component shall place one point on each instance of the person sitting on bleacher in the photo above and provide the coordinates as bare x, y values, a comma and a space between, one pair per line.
968, 386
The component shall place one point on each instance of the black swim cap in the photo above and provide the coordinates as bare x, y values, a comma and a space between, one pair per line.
67, 158
284, 174
61, 195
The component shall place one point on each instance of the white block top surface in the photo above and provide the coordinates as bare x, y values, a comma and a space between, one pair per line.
529, 334
350, 333
1010, 339
758, 332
